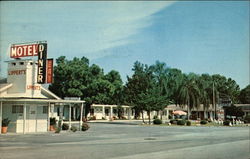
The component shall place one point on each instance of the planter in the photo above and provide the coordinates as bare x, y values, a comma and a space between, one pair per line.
4, 129
51, 128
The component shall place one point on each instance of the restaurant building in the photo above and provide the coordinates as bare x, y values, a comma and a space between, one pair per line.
24, 100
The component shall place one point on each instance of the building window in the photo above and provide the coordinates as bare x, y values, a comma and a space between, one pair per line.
21, 63
17, 109
31, 63
13, 64
45, 109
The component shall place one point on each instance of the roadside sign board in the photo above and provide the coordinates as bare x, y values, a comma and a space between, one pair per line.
42, 61
49, 71
23, 50
44, 72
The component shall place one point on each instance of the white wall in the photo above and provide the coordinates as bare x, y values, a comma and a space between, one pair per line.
36, 120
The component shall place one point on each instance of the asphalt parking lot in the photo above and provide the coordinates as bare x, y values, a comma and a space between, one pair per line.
121, 141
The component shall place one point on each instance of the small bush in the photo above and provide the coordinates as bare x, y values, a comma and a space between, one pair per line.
155, 117
65, 126
203, 122
188, 123
157, 121
5, 122
181, 122
226, 122
58, 130
85, 127
173, 121
73, 128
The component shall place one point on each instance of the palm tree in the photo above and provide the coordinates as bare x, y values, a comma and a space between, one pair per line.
204, 83
189, 93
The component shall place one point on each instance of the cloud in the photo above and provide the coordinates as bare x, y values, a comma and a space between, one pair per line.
85, 27
73, 29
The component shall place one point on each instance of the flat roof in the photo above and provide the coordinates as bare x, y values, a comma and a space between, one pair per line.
40, 100
109, 105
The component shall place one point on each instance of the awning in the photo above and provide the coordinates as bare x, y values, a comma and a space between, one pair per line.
179, 112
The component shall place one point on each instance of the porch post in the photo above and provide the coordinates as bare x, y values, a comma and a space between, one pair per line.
48, 123
103, 111
84, 111
81, 117
167, 114
69, 115
111, 112
129, 111
211, 115
205, 114
61, 106
24, 118
52, 107
124, 111
1, 110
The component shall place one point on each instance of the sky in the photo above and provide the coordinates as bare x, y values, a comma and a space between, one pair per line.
201, 37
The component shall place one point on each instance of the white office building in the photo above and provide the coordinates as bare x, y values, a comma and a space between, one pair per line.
28, 104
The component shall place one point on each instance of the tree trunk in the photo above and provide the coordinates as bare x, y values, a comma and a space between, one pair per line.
188, 111
149, 117
142, 116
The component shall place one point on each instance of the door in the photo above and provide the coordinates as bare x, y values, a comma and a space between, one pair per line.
31, 119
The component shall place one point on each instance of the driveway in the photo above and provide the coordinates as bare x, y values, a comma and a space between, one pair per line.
121, 141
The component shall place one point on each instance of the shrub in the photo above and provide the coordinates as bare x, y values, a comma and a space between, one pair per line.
85, 127
73, 128
155, 117
173, 121
5, 122
65, 126
226, 122
181, 122
203, 122
188, 123
58, 130
157, 121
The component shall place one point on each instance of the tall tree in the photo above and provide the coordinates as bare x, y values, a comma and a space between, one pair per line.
244, 96
146, 88
135, 86
189, 92
75, 78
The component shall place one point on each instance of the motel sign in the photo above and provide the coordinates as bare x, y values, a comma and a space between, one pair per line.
45, 66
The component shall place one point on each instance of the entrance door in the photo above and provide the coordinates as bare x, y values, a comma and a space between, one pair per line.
31, 119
